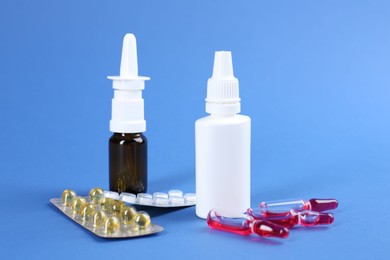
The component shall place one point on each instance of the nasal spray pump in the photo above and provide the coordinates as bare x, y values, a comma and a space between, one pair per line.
128, 146
222, 142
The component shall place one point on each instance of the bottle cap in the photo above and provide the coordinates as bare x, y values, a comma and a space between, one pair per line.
222, 88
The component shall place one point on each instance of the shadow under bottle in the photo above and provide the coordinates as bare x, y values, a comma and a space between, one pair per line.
128, 162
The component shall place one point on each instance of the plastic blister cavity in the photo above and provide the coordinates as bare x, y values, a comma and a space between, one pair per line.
106, 217
111, 194
144, 199
174, 198
127, 197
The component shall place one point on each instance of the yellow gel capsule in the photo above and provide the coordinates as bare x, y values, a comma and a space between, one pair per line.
76, 203
95, 195
142, 219
98, 218
67, 196
86, 210
106, 204
111, 224
116, 207
128, 214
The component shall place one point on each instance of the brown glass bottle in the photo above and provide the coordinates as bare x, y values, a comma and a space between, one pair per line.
128, 163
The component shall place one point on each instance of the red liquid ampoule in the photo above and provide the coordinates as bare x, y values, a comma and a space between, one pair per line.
290, 219
245, 225
299, 205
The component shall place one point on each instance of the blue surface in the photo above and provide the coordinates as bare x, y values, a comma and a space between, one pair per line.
314, 77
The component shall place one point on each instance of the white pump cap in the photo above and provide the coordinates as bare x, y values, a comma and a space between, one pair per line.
128, 105
222, 88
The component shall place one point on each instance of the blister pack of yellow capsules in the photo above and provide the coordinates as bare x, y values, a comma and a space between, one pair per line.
105, 217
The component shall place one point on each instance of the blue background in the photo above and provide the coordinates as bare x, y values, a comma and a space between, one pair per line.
314, 77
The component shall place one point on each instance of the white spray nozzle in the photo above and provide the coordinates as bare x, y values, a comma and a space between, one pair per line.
222, 88
129, 61
128, 105
223, 65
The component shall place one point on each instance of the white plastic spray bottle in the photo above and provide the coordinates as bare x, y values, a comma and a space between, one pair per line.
222, 142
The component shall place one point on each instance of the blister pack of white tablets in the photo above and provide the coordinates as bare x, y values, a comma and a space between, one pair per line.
104, 216
174, 198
